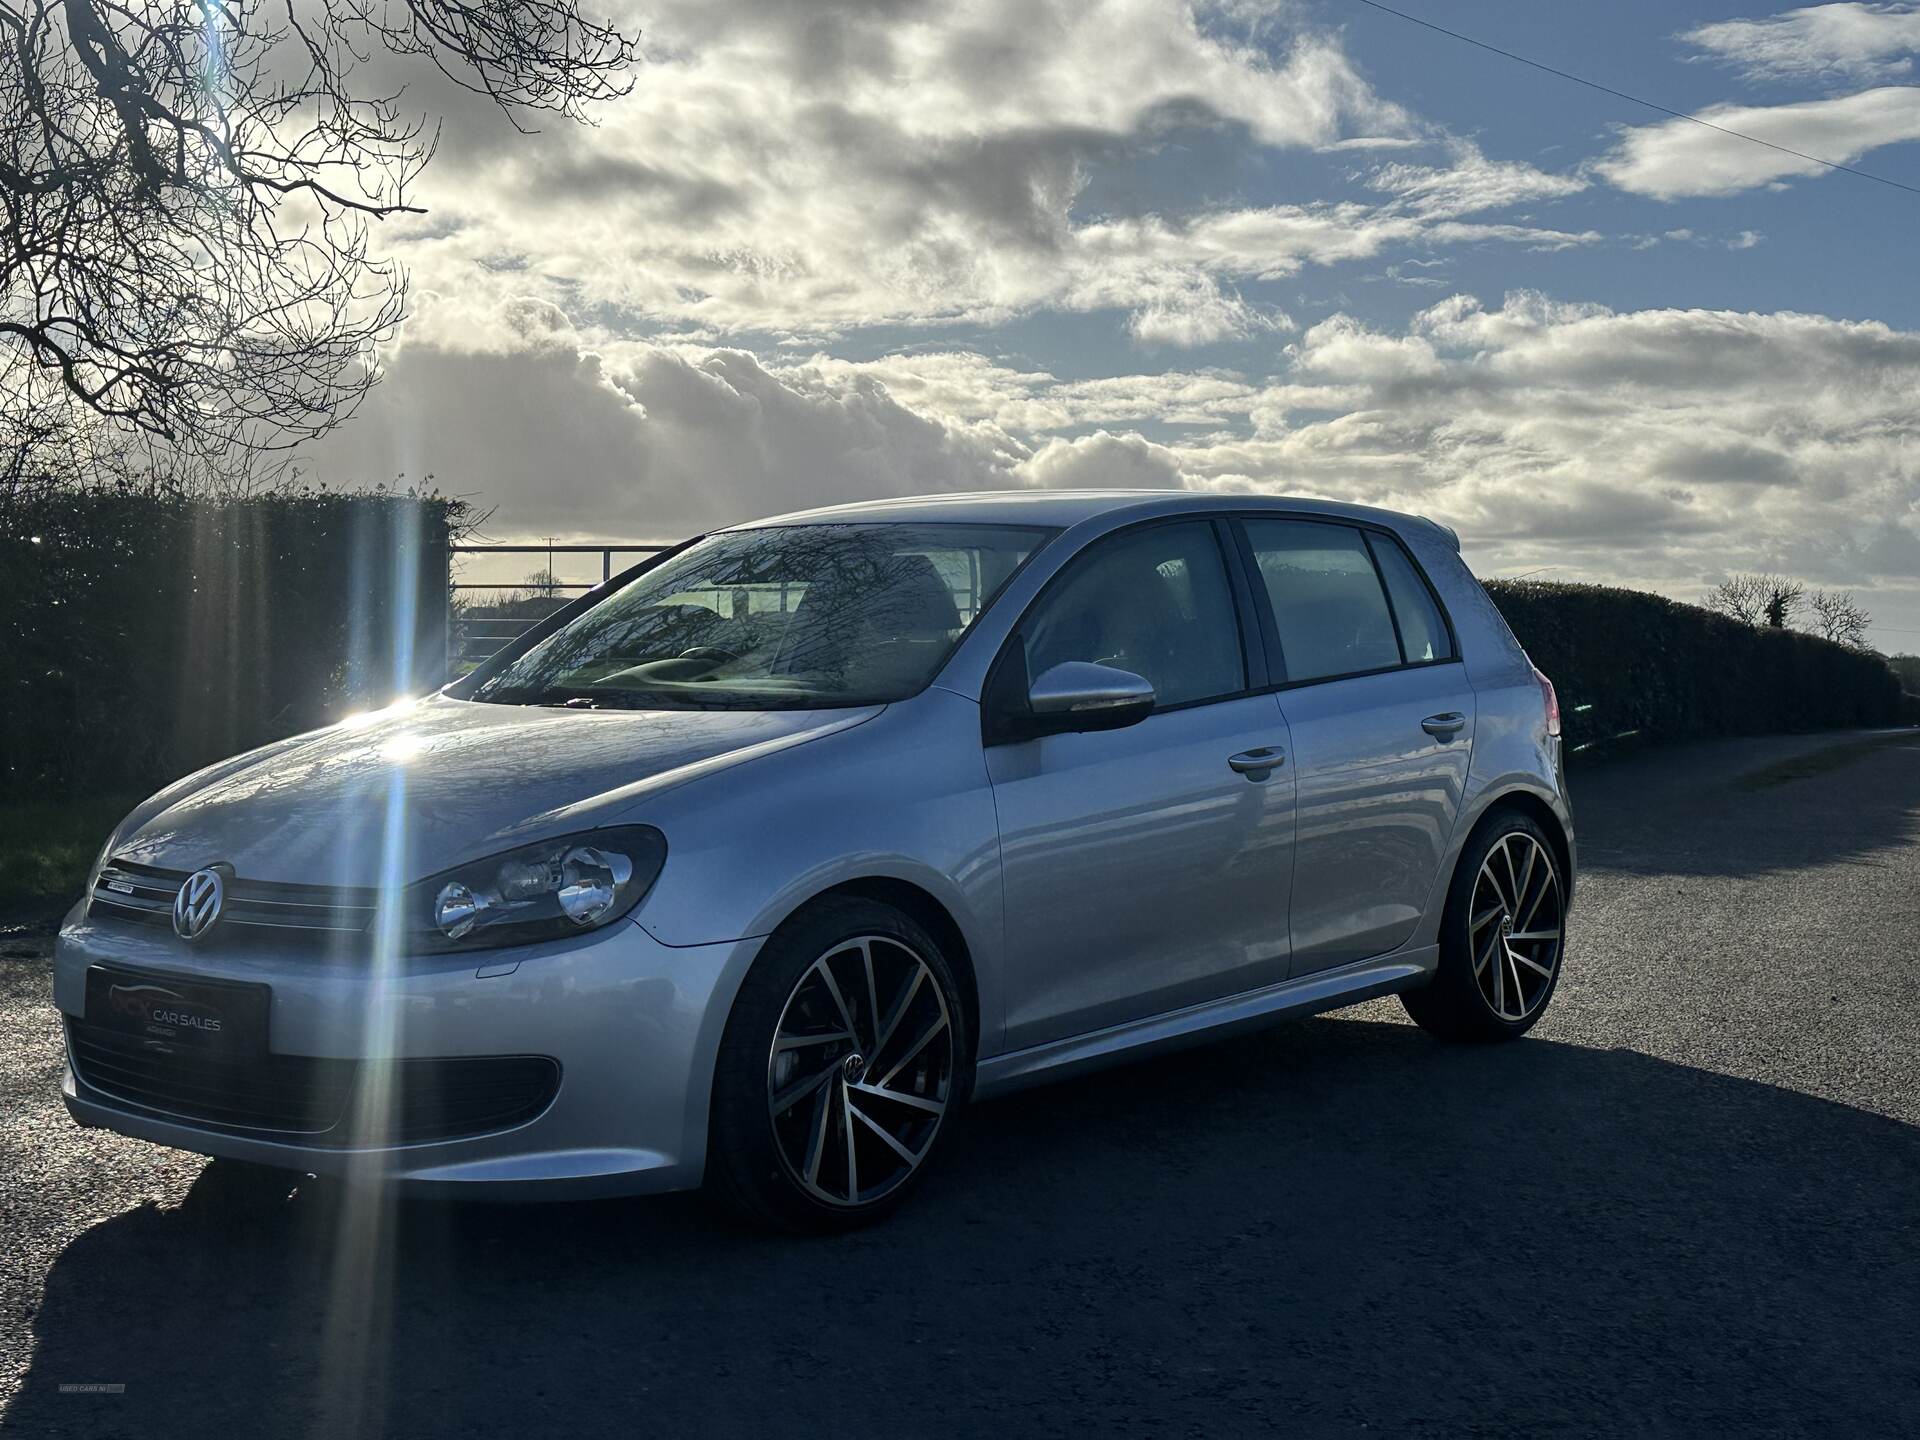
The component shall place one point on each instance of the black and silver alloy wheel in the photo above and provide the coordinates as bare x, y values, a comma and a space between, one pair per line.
846, 1059
1515, 929
1503, 937
860, 1071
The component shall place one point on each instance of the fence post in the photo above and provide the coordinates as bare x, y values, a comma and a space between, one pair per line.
446, 628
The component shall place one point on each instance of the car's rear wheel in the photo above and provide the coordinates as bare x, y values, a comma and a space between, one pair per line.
1503, 936
845, 1061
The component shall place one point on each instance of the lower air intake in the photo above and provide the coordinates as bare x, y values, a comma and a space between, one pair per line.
315, 1101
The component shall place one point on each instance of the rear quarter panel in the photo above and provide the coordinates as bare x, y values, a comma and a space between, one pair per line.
1512, 752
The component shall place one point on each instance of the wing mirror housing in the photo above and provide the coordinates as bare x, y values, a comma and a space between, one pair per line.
1077, 695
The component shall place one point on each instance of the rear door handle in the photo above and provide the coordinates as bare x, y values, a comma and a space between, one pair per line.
1257, 764
1444, 727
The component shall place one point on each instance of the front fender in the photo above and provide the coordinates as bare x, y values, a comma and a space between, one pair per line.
904, 797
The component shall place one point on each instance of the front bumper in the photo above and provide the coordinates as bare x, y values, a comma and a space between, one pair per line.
634, 1025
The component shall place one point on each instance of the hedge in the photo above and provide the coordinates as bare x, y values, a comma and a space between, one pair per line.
1629, 665
147, 636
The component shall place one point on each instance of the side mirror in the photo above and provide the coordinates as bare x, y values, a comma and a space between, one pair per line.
1077, 695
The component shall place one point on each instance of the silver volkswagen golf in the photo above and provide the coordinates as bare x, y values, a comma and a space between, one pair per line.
753, 866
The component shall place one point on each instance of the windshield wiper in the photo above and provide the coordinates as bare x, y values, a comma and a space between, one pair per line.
576, 697
629, 697
604, 697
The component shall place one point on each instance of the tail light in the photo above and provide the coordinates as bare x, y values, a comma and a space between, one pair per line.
1553, 701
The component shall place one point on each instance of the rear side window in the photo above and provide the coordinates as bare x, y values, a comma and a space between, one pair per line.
1423, 634
1326, 597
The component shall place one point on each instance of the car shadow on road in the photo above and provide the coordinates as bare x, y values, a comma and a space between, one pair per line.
1331, 1225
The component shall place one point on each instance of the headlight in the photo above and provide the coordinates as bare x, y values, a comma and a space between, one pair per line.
539, 892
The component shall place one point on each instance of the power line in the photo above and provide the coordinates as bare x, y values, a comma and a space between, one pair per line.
1636, 100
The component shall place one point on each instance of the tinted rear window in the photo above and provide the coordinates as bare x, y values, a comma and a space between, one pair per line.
1326, 596
1423, 634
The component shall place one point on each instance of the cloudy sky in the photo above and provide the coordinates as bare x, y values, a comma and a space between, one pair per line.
837, 248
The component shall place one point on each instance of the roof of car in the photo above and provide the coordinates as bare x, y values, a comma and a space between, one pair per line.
1063, 507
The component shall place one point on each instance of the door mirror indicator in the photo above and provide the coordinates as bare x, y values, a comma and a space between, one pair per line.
1077, 695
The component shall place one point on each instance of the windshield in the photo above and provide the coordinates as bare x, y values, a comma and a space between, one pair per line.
786, 617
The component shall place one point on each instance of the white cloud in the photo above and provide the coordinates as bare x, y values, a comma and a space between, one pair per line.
1472, 183
641, 330
1677, 158
1651, 447
1852, 42
1738, 240
848, 164
1342, 349
810, 170
1534, 237
970, 388
1018, 67
1101, 461
640, 441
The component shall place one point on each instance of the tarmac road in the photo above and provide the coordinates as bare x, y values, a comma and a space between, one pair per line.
1688, 1204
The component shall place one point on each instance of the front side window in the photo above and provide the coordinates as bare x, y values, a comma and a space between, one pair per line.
1154, 601
785, 617
1326, 597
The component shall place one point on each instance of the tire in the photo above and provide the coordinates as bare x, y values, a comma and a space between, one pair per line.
787, 1092
1486, 949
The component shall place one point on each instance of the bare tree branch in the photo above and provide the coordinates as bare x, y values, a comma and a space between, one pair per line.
1839, 617
1770, 600
187, 190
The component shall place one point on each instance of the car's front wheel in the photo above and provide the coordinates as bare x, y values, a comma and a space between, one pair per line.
1502, 937
844, 1063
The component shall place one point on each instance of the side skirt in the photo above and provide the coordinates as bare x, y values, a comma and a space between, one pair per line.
1213, 1020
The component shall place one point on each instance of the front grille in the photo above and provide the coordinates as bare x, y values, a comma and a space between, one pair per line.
144, 894
316, 1101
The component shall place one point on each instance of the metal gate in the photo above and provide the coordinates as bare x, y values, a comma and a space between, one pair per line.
479, 627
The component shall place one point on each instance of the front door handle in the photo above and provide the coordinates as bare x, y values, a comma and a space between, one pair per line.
1444, 727
1257, 764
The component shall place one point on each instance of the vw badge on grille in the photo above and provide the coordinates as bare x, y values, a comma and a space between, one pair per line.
197, 906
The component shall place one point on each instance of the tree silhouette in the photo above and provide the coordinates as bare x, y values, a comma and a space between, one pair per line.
188, 191
1775, 601
1839, 617
1770, 600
